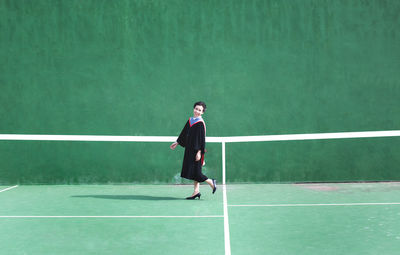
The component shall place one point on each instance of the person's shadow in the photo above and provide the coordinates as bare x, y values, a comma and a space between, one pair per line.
127, 197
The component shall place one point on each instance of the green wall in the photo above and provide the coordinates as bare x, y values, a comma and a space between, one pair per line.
370, 159
42, 162
133, 67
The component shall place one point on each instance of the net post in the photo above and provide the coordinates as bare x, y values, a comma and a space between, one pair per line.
223, 163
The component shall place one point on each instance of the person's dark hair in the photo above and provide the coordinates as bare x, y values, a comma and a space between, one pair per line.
201, 104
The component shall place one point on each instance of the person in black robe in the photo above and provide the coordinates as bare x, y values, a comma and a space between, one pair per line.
193, 139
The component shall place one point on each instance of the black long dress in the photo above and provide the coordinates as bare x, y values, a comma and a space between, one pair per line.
193, 139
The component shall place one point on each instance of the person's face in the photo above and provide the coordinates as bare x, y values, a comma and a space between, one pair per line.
198, 111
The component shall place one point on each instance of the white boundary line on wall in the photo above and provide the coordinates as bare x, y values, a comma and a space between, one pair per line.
231, 139
87, 138
8, 188
315, 136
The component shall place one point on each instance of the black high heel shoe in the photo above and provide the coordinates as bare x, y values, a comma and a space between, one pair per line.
215, 185
194, 197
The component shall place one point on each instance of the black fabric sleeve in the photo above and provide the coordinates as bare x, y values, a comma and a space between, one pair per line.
182, 137
199, 142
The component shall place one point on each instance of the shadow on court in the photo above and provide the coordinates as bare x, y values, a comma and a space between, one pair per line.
128, 197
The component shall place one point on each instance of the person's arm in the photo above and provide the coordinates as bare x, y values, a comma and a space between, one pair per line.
198, 155
173, 146
182, 137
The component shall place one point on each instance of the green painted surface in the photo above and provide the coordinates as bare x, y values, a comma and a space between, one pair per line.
115, 235
33, 162
315, 230
312, 193
367, 159
109, 200
136, 67
339, 230
312, 230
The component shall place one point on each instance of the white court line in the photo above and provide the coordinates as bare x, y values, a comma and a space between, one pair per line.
231, 139
108, 216
315, 136
226, 223
299, 205
8, 188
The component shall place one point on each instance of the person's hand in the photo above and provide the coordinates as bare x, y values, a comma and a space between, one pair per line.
198, 156
173, 146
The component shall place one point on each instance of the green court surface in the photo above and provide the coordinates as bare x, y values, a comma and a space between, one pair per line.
315, 218
353, 218
113, 234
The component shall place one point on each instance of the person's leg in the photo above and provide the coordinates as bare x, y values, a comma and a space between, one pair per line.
196, 188
213, 184
210, 182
